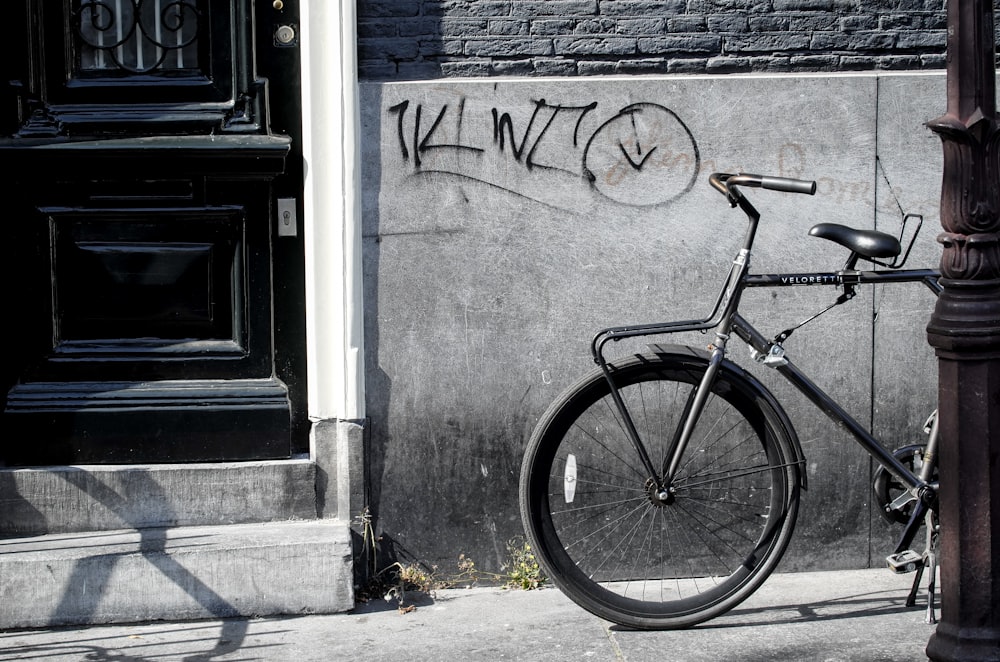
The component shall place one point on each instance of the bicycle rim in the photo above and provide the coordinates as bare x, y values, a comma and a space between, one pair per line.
588, 508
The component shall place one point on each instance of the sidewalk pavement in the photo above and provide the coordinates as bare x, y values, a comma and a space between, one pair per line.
836, 616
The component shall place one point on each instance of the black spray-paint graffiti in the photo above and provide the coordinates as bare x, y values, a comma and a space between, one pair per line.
641, 155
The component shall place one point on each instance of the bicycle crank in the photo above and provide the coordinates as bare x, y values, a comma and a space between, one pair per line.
894, 502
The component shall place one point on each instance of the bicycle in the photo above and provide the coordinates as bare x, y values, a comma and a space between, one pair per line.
660, 491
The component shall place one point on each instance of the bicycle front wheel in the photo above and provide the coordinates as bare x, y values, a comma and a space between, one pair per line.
589, 509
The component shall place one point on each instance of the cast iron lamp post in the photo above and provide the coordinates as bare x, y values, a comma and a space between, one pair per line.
965, 332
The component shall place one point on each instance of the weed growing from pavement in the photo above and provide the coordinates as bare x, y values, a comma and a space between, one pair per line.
398, 579
522, 569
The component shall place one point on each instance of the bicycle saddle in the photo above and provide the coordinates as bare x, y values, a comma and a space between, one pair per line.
867, 243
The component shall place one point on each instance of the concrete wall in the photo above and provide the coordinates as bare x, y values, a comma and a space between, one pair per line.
503, 226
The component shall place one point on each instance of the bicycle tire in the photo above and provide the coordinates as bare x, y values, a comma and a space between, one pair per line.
624, 556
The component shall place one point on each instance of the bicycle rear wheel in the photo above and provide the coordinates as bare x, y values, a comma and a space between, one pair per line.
588, 507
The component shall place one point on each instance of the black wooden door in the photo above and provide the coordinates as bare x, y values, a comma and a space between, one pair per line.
154, 310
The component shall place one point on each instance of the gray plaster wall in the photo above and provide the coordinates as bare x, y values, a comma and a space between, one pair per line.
505, 221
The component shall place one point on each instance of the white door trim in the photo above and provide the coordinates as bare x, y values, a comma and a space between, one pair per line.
332, 222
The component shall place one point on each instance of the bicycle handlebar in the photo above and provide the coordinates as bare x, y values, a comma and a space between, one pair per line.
725, 183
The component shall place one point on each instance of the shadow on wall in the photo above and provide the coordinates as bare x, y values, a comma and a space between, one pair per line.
377, 383
409, 494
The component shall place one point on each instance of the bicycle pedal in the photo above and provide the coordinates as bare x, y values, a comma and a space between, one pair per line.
904, 562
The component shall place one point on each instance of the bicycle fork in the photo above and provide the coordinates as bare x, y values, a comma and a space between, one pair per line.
692, 412
663, 476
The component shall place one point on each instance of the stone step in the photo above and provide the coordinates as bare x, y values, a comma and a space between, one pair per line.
182, 573
113, 497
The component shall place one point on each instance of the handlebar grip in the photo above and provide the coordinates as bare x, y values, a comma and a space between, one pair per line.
727, 184
788, 185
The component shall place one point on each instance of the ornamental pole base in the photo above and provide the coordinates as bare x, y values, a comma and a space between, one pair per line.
965, 331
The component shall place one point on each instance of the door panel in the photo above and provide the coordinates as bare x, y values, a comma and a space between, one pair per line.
158, 310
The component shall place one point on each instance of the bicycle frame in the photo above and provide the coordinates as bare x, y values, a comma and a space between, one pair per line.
703, 518
726, 319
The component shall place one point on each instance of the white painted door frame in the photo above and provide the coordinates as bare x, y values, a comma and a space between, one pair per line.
332, 223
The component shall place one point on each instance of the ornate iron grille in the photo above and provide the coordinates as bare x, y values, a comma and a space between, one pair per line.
137, 36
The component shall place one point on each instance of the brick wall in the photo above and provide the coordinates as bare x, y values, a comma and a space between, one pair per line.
419, 39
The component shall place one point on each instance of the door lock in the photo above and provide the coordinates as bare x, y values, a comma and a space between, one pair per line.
287, 221
285, 35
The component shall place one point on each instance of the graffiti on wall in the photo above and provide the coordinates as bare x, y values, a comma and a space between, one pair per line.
641, 154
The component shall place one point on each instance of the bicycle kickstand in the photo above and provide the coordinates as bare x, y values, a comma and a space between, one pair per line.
929, 562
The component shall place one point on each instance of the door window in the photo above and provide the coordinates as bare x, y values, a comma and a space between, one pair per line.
137, 36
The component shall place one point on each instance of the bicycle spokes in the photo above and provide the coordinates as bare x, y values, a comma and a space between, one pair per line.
602, 518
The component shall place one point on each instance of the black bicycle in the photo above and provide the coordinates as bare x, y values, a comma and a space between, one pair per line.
661, 490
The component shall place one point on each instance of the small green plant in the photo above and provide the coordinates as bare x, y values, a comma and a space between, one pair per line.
414, 577
521, 569
393, 581
467, 570
410, 577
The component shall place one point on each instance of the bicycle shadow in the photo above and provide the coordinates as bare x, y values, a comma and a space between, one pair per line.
14, 508
91, 576
863, 605
146, 644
